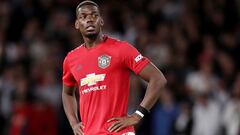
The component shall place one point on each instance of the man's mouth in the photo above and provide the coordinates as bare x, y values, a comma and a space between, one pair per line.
90, 28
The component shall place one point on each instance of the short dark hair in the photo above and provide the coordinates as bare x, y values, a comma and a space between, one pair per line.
85, 2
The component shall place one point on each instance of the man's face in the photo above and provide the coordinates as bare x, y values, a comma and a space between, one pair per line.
89, 21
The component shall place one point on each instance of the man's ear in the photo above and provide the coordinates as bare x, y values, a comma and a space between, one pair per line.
76, 24
101, 22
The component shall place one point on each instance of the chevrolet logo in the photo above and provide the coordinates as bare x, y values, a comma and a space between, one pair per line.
92, 79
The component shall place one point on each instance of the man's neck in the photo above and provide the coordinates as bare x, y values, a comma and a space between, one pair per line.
94, 41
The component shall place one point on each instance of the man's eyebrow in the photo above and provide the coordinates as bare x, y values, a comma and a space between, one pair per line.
92, 12
82, 13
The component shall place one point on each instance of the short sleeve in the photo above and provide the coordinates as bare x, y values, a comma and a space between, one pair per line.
67, 78
133, 59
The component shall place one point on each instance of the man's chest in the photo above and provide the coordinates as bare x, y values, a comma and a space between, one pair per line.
93, 67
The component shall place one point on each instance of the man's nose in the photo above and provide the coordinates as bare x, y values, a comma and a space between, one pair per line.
90, 18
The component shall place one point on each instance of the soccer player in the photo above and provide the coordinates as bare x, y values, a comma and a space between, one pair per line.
100, 68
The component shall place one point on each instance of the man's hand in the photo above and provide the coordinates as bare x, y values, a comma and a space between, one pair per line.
123, 122
77, 129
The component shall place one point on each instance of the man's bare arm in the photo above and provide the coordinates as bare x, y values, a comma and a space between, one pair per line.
70, 108
156, 81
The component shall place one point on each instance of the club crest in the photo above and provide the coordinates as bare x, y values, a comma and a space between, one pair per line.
104, 61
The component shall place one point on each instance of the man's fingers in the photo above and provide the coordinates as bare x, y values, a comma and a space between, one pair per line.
112, 119
79, 131
120, 128
78, 134
115, 123
115, 126
81, 125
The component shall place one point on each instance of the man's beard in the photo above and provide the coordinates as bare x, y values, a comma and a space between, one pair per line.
92, 36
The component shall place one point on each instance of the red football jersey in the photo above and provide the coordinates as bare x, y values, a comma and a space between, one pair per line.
102, 74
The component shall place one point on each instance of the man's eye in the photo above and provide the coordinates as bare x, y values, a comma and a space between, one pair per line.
95, 15
82, 16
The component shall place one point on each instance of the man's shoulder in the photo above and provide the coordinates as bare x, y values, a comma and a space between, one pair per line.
117, 42
74, 52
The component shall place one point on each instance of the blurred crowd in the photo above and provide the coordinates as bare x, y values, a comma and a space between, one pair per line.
195, 43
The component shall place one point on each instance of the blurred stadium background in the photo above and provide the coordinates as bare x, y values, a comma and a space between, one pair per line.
194, 42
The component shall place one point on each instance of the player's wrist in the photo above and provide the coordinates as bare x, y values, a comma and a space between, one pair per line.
136, 117
141, 111
74, 124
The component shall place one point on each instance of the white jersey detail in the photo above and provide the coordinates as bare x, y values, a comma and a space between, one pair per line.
92, 79
129, 133
138, 58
